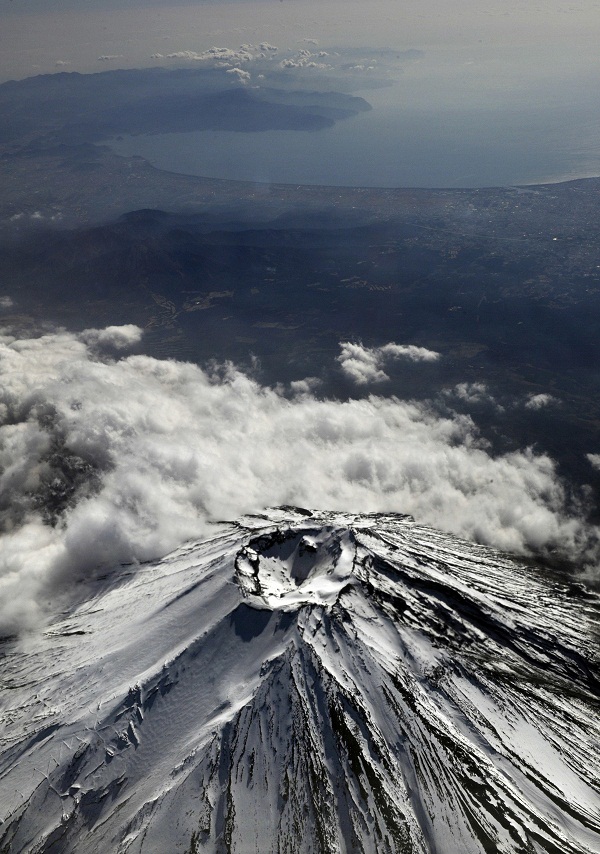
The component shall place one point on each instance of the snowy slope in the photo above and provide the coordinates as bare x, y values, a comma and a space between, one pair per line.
308, 683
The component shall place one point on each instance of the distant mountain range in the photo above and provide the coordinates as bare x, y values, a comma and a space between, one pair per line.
75, 108
299, 682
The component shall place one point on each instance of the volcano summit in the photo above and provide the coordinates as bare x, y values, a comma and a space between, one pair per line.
304, 683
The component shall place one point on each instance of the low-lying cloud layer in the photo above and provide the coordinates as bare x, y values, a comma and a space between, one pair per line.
103, 461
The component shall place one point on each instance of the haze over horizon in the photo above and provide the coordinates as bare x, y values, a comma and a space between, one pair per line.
555, 39
493, 94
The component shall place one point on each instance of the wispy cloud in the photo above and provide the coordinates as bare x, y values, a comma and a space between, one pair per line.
472, 394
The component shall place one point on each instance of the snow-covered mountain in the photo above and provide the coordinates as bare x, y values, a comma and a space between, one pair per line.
308, 683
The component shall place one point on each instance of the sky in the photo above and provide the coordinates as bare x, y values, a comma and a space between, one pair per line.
551, 37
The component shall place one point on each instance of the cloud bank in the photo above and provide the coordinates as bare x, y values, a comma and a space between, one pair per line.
232, 58
105, 461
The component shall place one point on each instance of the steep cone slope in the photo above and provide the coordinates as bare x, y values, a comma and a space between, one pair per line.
309, 683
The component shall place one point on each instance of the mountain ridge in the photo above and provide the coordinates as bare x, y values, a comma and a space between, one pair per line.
308, 682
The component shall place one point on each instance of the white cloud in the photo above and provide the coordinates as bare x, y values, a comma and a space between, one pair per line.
361, 364
60, 63
473, 393
221, 57
306, 386
136, 455
594, 460
364, 365
242, 76
304, 59
243, 54
224, 57
117, 337
410, 352
539, 401
6, 302
109, 57
184, 54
